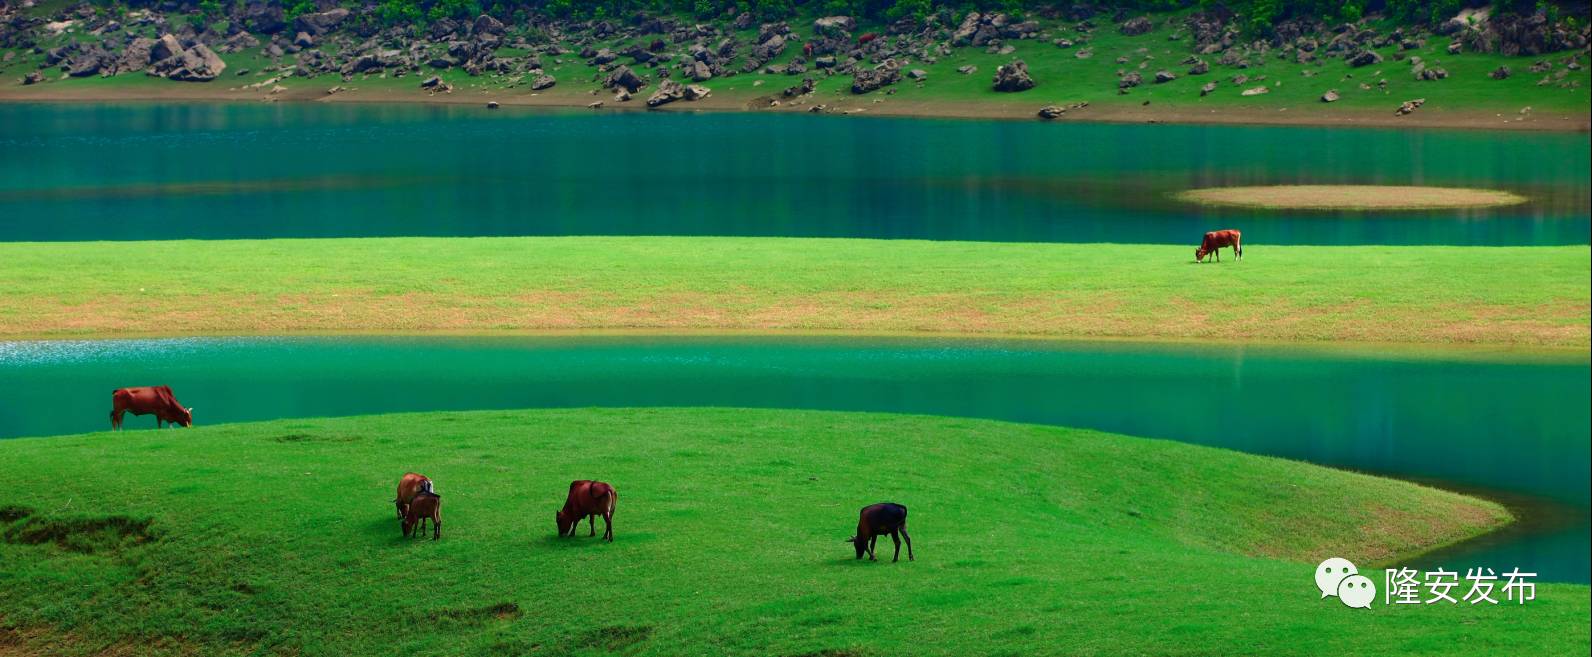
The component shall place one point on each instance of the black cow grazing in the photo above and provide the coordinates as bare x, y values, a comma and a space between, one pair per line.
883, 518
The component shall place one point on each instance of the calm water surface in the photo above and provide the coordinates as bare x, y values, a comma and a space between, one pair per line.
150, 171
1518, 432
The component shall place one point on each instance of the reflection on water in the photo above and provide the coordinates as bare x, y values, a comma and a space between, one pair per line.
205, 188
90, 172
1519, 429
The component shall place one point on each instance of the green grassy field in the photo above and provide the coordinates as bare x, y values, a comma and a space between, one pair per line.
278, 538
1062, 78
1533, 296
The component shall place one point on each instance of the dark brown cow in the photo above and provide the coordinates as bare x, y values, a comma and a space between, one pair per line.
877, 519
146, 400
424, 505
408, 486
588, 499
1217, 239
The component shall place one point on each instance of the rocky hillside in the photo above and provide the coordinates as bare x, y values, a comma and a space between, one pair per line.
673, 57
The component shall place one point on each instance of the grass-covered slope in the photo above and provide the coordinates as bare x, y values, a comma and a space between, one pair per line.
1488, 295
279, 539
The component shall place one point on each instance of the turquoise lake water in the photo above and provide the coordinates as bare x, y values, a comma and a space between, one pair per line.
1513, 432
150, 171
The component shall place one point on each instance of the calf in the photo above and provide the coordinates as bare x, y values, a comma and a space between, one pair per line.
1214, 242
146, 400
588, 499
408, 486
425, 504
883, 518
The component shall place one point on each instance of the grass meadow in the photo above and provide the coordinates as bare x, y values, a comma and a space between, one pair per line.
1434, 295
278, 538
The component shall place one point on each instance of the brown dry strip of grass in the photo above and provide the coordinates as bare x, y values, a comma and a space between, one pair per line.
1013, 109
1351, 197
1489, 296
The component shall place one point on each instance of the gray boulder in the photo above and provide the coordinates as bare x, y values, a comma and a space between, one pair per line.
865, 80
1013, 77
1365, 58
1136, 26
698, 71
668, 92
200, 64
626, 78
166, 47
834, 25
136, 55
806, 87
485, 24
320, 22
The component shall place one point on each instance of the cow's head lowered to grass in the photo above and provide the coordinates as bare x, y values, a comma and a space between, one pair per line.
566, 523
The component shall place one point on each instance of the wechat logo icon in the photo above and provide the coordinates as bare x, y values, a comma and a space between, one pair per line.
1338, 577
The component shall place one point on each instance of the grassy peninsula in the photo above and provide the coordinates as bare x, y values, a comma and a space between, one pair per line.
278, 538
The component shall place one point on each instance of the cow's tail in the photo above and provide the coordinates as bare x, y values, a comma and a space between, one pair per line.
613, 496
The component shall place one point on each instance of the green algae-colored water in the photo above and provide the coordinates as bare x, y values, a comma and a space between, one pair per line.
208, 171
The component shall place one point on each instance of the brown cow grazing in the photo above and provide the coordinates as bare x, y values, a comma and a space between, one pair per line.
425, 504
877, 519
865, 38
408, 486
588, 499
1215, 240
146, 400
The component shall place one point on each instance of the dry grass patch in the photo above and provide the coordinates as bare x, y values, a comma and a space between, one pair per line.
1351, 197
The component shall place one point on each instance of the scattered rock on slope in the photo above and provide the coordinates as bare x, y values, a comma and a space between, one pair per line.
1013, 77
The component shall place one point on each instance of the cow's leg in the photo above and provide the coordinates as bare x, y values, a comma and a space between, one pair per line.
872, 541
908, 538
895, 535
436, 528
608, 526
593, 524
116, 421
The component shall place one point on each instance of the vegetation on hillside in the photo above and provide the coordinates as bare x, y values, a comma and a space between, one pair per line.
1260, 14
